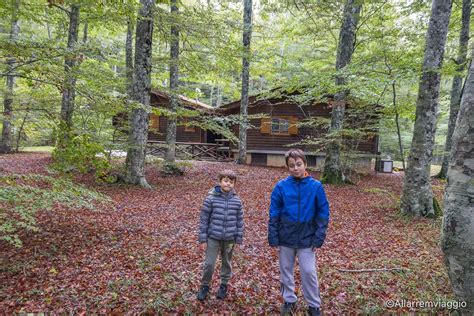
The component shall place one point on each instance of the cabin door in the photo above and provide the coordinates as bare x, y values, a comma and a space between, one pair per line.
211, 137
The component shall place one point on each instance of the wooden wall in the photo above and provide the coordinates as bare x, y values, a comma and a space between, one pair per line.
256, 140
160, 132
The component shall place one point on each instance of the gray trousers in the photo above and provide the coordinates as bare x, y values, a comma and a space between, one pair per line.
214, 247
309, 277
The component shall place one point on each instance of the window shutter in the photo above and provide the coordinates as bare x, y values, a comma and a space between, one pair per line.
189, 128
154, 122
265, 125
293, 129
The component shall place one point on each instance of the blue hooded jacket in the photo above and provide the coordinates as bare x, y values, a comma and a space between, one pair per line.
299, 213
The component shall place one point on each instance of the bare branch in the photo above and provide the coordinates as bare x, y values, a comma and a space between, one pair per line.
61, 8
31, 78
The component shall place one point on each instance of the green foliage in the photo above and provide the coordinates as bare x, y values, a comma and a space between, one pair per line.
438, 211
21, 196
83, 155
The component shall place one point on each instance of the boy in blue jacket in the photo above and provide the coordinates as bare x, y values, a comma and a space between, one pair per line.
299, 217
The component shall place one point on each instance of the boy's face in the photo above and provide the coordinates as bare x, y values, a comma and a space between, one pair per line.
296, 167
227, 184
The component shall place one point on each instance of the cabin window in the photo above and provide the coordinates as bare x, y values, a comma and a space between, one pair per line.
311, 160
187, 127
279, 125
154, 122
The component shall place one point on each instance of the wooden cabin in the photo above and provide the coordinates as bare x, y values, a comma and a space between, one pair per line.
184, 133
192, 142
269, 140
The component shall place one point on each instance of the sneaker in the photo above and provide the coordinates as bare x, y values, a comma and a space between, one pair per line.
202, 294
314, 311
222, 292
287, 309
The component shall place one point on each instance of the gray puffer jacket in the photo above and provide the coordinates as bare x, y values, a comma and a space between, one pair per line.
222, 217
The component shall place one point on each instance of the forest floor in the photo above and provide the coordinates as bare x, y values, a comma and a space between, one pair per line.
139, 254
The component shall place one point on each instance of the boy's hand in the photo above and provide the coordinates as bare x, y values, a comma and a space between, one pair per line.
202, 246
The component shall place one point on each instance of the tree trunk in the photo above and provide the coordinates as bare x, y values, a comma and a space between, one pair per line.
170, 155
397, 122
219, 96
138, 134
6, 141
211, 95
457, 84
84, 35
69, 89
129, 58
20, 130
247, 33
347, 37
48, 26
417, 196
458, 234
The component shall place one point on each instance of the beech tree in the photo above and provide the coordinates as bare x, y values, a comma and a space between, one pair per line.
69, 88
174, 82
247, 34
456, 88
129, 58
458, 235
138, 133
347, 37
417, 196
6, 141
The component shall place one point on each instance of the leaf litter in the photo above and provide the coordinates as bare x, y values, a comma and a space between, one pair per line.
139, 254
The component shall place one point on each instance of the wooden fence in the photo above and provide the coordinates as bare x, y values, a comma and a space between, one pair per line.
191, 151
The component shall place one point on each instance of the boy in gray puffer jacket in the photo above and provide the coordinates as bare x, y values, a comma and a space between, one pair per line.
221, 226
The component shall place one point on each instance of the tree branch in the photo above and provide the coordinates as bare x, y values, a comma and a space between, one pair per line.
31, 78
369, 15
31, 61
60, 7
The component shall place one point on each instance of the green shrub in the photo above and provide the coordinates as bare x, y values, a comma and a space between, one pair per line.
83, 155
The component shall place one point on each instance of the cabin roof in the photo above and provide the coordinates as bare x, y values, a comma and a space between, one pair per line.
185, 100
254, 99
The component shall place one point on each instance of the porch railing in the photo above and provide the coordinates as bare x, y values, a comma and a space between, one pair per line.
191, 151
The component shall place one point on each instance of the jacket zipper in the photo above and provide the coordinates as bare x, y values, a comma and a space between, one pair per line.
225, 215
299, 202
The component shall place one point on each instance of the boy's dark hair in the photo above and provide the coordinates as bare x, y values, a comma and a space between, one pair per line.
295, 153
227, 173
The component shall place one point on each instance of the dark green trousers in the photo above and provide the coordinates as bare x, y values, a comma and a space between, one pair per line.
215, 247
